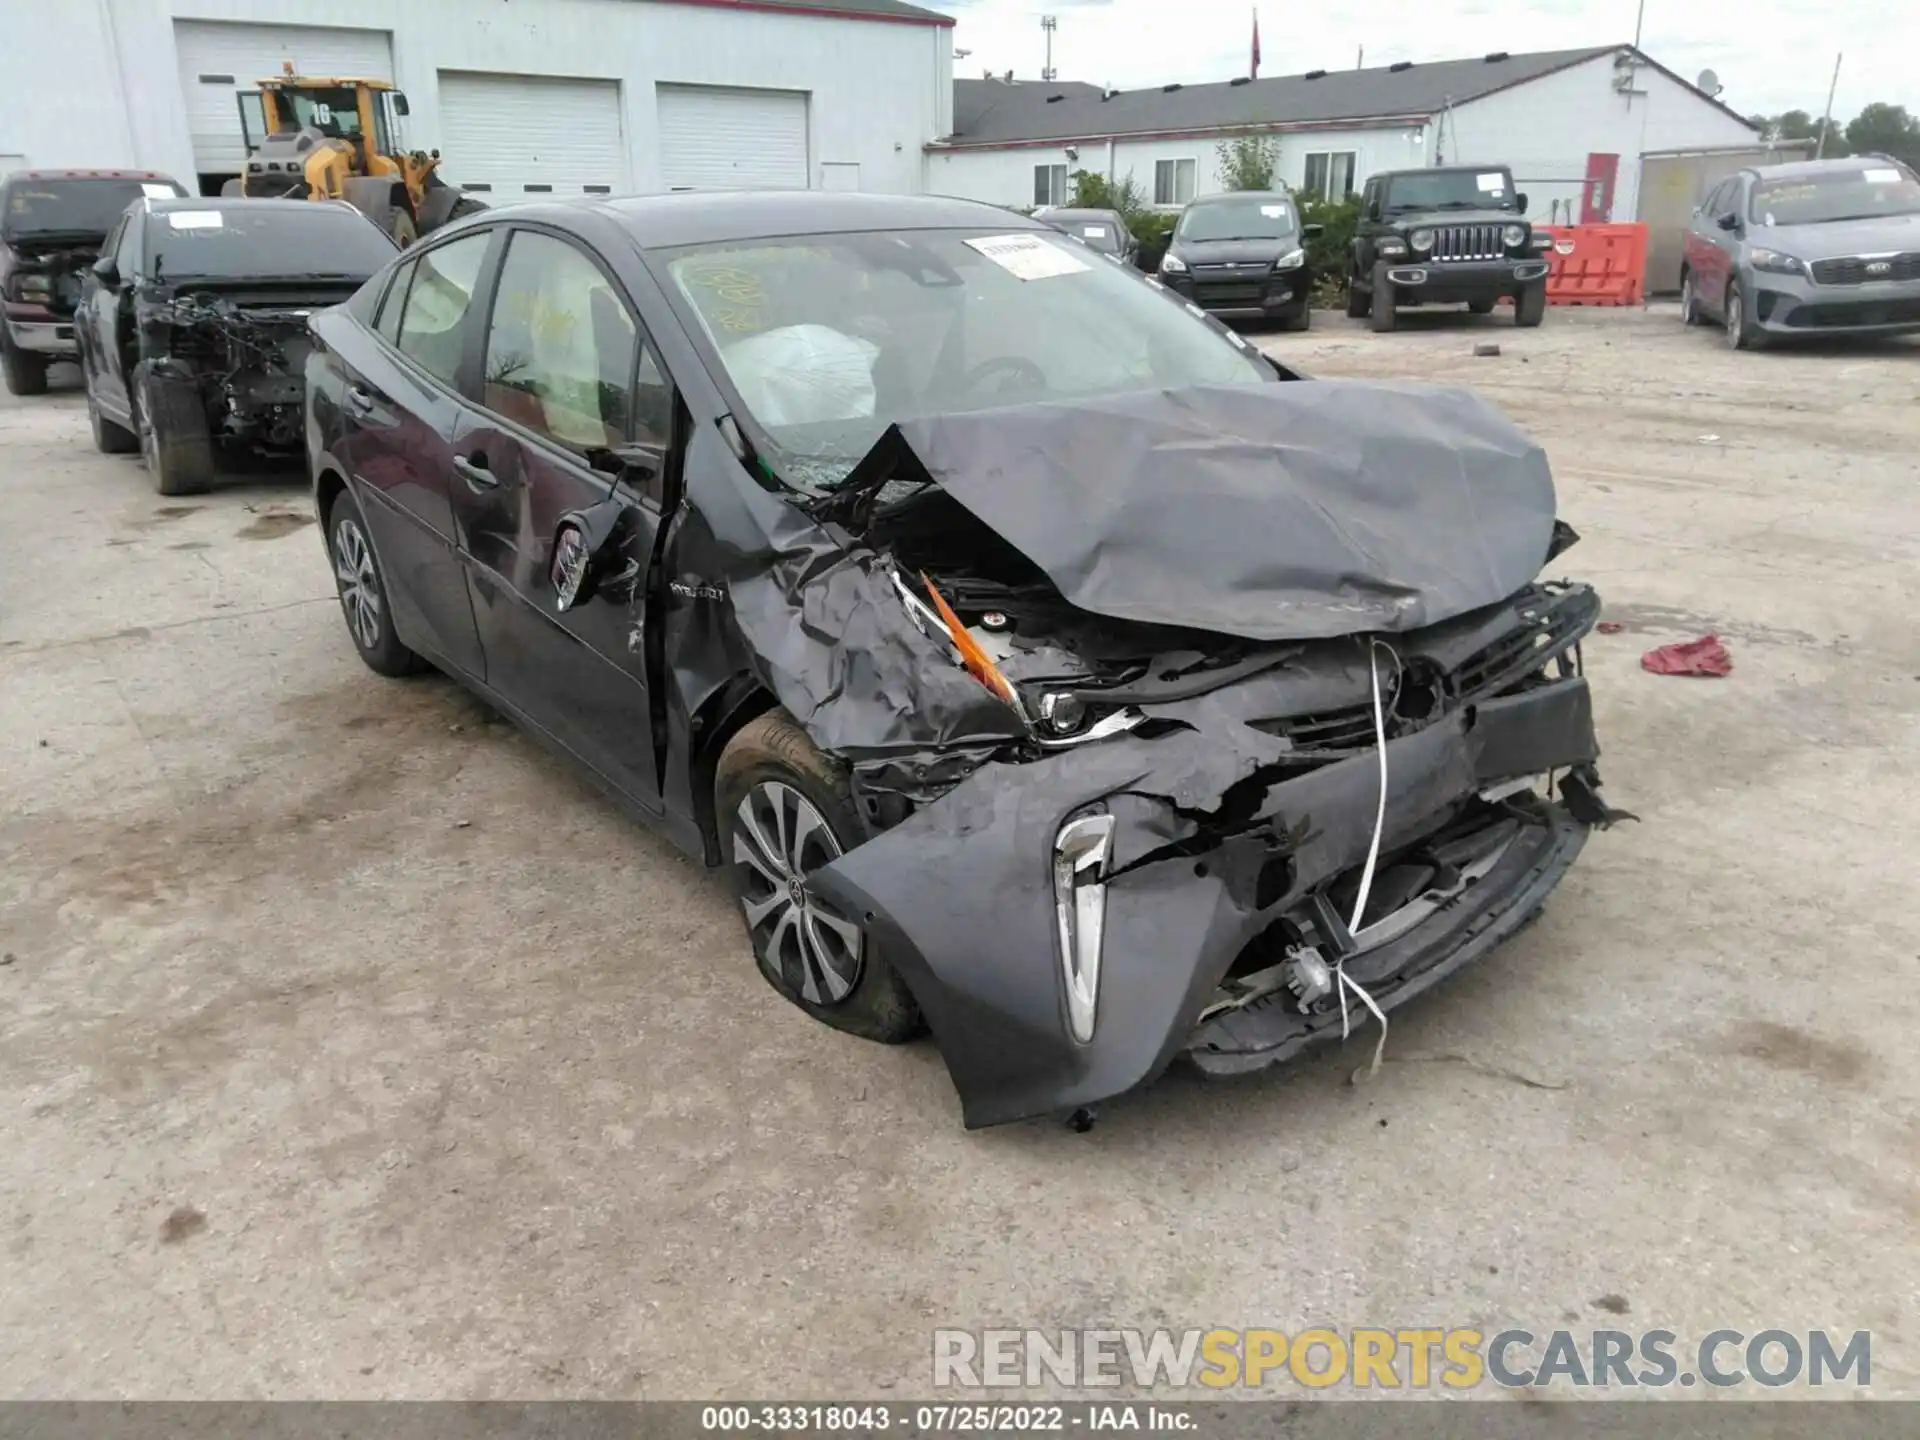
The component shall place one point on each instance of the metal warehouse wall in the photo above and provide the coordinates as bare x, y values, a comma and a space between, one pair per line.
879, 90
1546, 128
1005, 177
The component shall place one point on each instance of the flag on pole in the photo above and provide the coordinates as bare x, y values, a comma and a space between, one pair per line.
1255, 70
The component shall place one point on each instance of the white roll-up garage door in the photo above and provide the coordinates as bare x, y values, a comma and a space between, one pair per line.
508, 137
218, 59
715, 139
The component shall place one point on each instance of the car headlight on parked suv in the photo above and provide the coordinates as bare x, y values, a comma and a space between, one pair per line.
1292, 260
1775, 263
1421, 239
1172, 264
1513, 235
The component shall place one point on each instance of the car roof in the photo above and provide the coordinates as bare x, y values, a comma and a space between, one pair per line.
91, 175
1439, 170
1079, 212
707, 217
161, 204
1267, 195
1788, 170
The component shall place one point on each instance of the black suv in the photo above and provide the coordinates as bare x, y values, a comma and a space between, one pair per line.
1438, 237
1242, 256
52, 223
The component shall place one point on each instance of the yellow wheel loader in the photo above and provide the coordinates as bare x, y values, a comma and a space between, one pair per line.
318, 138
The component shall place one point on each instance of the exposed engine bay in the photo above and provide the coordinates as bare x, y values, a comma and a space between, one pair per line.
246, 354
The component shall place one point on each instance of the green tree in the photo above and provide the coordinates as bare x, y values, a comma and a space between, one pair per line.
1799, 125
1248, 162
1093, 191
1885, 128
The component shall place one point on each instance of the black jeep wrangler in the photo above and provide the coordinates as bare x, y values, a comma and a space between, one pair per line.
1444, 236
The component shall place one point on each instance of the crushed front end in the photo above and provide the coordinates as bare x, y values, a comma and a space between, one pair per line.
1253, 653
244, 352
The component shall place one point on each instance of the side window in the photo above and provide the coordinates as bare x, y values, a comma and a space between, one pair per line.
125, 246
392, 304
561, 346
1715, 205
437, 302
1374, 187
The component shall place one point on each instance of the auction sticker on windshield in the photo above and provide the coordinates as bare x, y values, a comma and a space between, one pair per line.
1027, 257
1492, 184
157, 192
1880, 177
195, 219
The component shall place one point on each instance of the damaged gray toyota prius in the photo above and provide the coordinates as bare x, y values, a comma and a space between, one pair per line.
1049, 669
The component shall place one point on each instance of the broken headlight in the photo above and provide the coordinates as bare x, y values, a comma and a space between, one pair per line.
1081, 851
36, 288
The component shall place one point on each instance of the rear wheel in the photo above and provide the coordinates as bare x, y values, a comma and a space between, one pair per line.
1530, 305
26, 373
784, 810
174, 439
1690, 301
1383, 316
363, 592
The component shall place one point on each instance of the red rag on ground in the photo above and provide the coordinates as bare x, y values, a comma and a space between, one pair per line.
1705, 656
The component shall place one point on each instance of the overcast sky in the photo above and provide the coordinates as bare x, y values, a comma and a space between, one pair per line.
1771, 55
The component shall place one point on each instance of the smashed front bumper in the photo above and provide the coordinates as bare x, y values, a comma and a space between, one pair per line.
1216, 837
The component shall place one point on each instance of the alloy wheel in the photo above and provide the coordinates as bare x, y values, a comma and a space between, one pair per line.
1687, 301
1734, 319
778, 838
149, 439
359, 585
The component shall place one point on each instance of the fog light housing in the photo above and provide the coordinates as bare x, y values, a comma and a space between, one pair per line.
1080, 854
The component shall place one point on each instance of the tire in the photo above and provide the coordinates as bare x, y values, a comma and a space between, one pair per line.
232, 189
1382, 308
1690, 301
109, 438
401, 228
817, 960
172, 427
1530, 305
1742, 333
1359, 303
1297, 320
362, 586
1480, 307
26, 374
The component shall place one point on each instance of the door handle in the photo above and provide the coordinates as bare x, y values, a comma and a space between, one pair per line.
473, 469
358, 400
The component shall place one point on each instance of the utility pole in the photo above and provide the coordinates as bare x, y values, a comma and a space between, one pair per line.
1360, 60
1638, 21
1049, 23
1826, 119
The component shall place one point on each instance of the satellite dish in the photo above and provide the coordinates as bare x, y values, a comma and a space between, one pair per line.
1708, 83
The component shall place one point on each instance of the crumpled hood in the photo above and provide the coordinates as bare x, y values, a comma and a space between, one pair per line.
1266, 511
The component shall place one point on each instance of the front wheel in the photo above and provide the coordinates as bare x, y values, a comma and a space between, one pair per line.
26, 374
1742, 333
1359, 304
1530, 305
1299, 319
174, 439
784, 810
1383, 316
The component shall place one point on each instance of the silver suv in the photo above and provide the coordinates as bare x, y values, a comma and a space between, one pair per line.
1820, 247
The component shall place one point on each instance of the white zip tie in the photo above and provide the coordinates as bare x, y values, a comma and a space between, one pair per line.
1346, 982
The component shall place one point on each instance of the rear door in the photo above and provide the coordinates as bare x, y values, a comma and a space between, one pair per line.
1710, 248
567, 376
400, 406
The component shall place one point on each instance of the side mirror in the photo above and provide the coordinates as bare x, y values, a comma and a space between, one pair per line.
586, 555
1729, 221
1520, 202
400, 104
106, 271
1312, 232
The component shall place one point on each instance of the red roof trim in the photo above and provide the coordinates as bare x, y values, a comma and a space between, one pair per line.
1360, 122
828, 11
92, 175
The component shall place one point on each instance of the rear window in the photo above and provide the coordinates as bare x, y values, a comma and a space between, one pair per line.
254, 241
76, 207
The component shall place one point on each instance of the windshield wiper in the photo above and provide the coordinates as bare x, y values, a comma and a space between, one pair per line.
1840, 219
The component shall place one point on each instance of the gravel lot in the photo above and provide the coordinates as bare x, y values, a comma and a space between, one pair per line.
350, 1047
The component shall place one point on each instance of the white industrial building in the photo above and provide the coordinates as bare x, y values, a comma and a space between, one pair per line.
1574, 125
556, 97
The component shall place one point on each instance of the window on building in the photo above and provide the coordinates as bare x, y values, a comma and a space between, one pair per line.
1329, 174
561, 348
1173, 182
1049, 184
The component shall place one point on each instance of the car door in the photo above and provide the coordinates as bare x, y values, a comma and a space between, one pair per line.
1715, 246
400, 403
107, 314
572, 414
